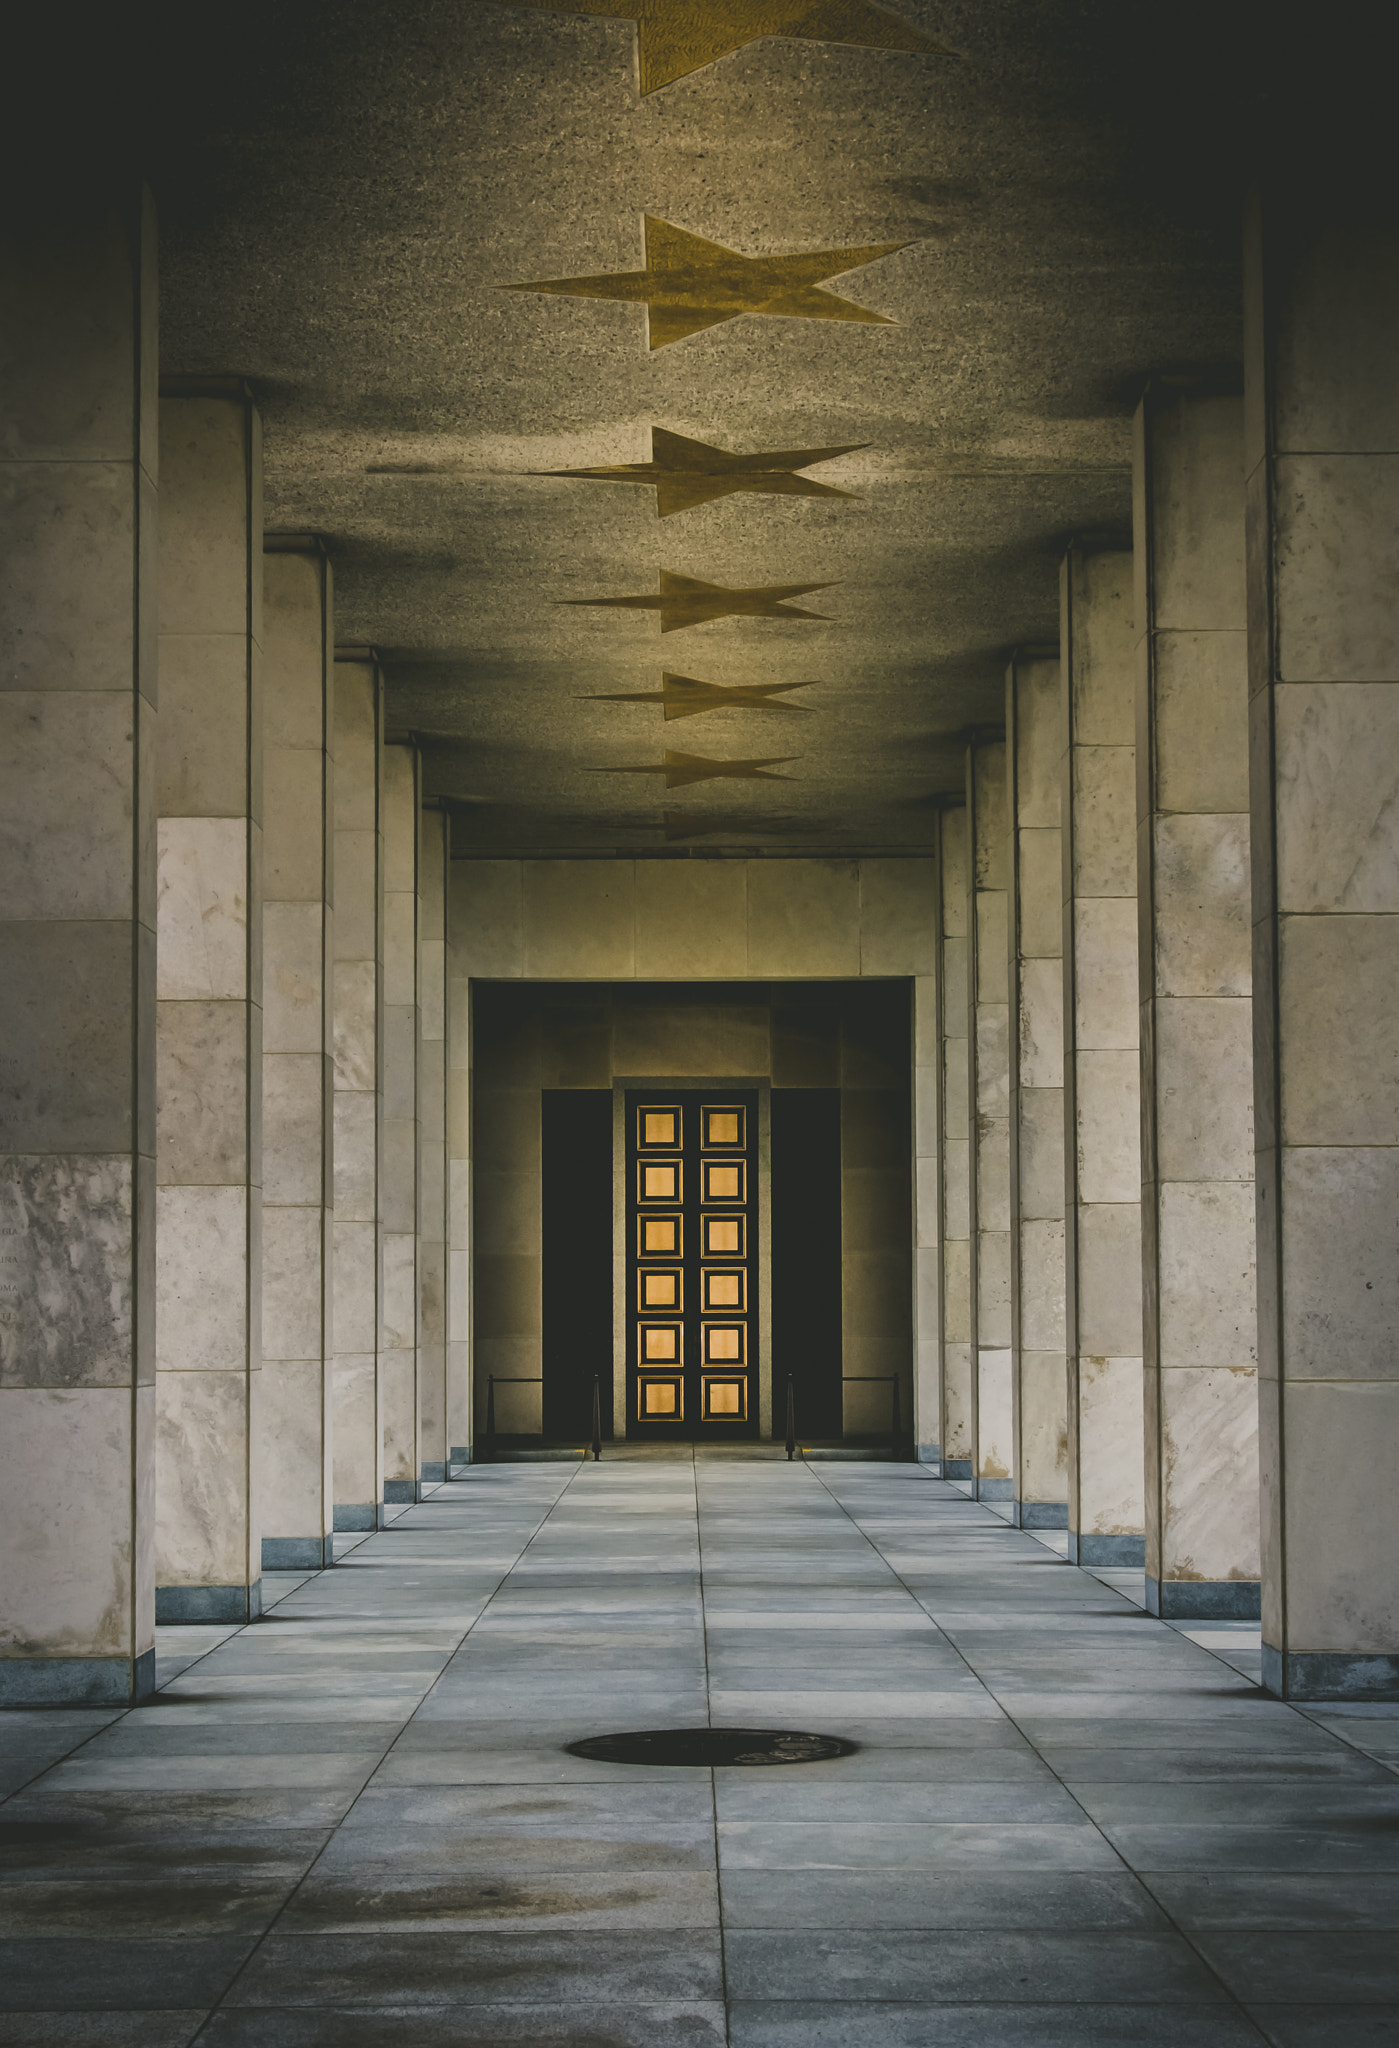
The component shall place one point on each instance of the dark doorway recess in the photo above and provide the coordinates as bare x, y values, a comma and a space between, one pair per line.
806, 1252
576, 1130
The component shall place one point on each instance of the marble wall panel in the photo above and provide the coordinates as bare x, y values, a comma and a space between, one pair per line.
1041, 1153
925, 1020
66, 1025
925, 1111
1335, 746
1111, 1493
355, 1141
202, 1436
65, 844
804, 919
291, 1297
486, 909
66, 1271
357, 905
1104, 821
398, 1415
203, 909
1100, 601
67, 545
956, 1211
1340, 1281
356, 1280
1205, 1088
956, 1098
579, 919
1336, 536
691, 920
294, 1110
1201, 686
293, 844
1044, 1446
956, 1290
955, 987
1041, 1024
927, 1176
398, 1299
1202, 924
1105, 972
202, 1084
991, 941
67, 1454
993, 1288
1209, 1452
1207, 1279
898, 916
202, 1279
355, 1042
1108, 1128
1040, 907
291, 1452
203, 753
1340, 1082
957, 1404
353, 1394
1342, 1511
293, 1000
995, 1457
1042, 1284
1109, 1282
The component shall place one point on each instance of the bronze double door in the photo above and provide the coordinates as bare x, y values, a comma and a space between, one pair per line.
692, 1266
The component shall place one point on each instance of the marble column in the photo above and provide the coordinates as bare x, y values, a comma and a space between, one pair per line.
1322, 428
1198, 1277
209, 1008
988, 1121
398, 1127
927, 1219
432, 1146
78, 436
294, 1436
958, 1397
1102, 1143
1035, 943
355, 1065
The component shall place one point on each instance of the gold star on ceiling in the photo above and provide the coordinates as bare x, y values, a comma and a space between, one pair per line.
687, 601
676, 37
687, 473
686, 696
690, 284
682, 769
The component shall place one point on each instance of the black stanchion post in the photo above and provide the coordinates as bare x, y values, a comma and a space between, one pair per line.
791, 1418
597, 1421
490, 1419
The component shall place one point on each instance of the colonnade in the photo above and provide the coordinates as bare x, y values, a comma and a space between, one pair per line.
1157, 1155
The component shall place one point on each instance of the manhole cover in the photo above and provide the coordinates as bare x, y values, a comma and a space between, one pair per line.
705, 1748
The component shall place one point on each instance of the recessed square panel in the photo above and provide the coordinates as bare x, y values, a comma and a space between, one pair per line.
658, 1289
724, 1290
724, 1398
660, 1399
723, 1237
658, 1180
658, 1127
659, 1237
659, 1344
725, 1344
721, 1127
724, 1180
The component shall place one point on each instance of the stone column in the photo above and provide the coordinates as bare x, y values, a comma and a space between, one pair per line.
1322, 427
209, 1012
1102, 1145
355, 1262
77, 948
958, 1399
294, 1453
988, 1123
1196, 1013
461, 1427
432, 1146
1035, 940
927, 1197
398, 1128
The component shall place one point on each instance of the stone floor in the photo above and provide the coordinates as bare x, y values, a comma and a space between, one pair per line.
352, 1824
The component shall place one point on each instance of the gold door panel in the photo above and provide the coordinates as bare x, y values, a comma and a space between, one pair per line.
660, 1344
725, 1343
660, 1397
724, 1397
660, 1288
658, 1180
660, 1237
723, 1180
723, 1237
658, 1128
720, 1289
723, 1127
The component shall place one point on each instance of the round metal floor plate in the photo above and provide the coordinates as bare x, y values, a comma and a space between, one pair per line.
706, 1748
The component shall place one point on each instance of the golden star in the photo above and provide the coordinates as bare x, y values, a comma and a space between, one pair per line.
686, 696
675, 37
680, 769
690, 284
686, 472
686, 601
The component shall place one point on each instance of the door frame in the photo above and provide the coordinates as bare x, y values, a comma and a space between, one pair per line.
761, 1084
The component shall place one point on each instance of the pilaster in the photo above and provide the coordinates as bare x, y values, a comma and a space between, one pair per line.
398, 1128
988, 1121
433, 1442
958, 1391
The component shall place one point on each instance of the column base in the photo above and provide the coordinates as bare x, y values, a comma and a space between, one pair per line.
432, 1473
995, 1489
928, 1454
1041, 1514
354, 1515
1107, 1552
459, 1454
397, 1492
1204, 1599
76, 1681
1330, 1674
956, 1468
175, 1605
296, 1553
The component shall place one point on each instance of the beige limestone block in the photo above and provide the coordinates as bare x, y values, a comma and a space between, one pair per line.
993, 1287
293, 938
990, 854
204, 583
995, 1421
1204, 1064
67, 1454
1209, 1448
398, 1298
292, 614
1340, 1060
486, 913
1041, 1022
1105, 821
202, 870
1336, 543
1340, 1279
1111, 1476
956, 1088
355, 1265
432, 989
927, 1392
398, 820
1107, 1105
992, 964
691, 920
927, 1180
356, 895
1342, 1510
1039, 747
1044, 1442
1203, 935
202, 769
993, 1174
398, 1424
356, 748
202, 1536
580, 919
356, 1471
290, 1457
400, 943
202, 1092
957, 1399
66, 1030
1109, 1281
1042, 1284
957, 1291
291, 1296
398, 1176
355, 1147
65, 1271
1208, 1281
1041, 894
354, 1040
202, 1279
955, 987
1337, 801
954, 874
1103, 635
925, 1020
1201, 687
1105, 972
65, 839
927, 1289
67, 547
925, 1112
898, 916
1041, 1161
718, 1039
293, 1100
956, 1195
803, 918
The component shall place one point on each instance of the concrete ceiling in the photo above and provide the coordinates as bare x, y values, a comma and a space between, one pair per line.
345, 192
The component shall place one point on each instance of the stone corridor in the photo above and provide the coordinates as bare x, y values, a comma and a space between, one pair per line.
352, 1823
